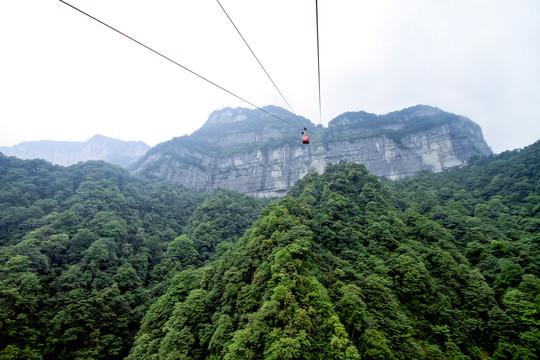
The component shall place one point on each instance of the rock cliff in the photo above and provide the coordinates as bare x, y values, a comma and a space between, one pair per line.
66, 153
251, 152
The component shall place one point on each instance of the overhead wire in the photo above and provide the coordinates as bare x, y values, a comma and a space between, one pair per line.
261, 65
320, 121
178, 64
318, 59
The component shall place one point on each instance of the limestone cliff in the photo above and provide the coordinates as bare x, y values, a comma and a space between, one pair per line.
251, 152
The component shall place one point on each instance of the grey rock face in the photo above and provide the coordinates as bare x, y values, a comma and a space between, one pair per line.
250, 152
66, 153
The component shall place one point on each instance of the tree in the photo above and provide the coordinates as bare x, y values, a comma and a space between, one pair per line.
374, 346
181, 253
20, 294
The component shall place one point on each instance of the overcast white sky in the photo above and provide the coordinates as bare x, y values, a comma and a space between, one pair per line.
64, 76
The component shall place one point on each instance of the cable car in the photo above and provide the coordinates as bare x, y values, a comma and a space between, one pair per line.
305, 137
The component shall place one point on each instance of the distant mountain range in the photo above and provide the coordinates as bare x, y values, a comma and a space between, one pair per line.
66, 153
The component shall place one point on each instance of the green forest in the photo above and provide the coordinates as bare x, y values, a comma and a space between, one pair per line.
96, 263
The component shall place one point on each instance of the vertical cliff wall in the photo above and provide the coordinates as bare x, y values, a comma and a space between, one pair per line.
250, 152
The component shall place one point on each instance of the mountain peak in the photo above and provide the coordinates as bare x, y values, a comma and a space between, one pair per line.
99, 137
226, 116
270, 114
392, 119
422, 110
240, 126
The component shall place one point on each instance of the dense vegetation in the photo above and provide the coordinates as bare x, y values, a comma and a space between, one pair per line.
96, 264
86, 249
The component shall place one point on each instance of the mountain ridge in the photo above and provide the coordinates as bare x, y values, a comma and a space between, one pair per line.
65, 153
251, 152
259, 153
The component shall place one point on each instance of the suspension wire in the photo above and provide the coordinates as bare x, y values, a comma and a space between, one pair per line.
174, 62
318, 58
256, 58
320, 122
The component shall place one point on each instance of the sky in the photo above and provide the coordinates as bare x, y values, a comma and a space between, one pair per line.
64, 76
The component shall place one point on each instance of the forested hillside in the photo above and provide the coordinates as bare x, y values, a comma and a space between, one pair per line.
85, 249
96, 264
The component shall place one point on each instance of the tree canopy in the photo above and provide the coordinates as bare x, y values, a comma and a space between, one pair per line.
96, 263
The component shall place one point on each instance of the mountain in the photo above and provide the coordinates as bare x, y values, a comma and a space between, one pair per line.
347, 268
98, 264
109, 233
252, 152
66, 153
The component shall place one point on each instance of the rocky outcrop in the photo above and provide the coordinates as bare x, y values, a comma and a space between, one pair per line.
250, 152
66, 153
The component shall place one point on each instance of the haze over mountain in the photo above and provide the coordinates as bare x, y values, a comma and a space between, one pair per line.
252, 152
66, 153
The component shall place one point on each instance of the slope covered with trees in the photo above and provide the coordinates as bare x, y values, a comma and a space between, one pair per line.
97, 264
85, 249
439, 266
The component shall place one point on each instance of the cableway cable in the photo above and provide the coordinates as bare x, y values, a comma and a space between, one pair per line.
320, 122
318, 58
176, 63
256, 58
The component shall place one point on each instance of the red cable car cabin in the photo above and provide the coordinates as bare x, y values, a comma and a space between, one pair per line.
305, 137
